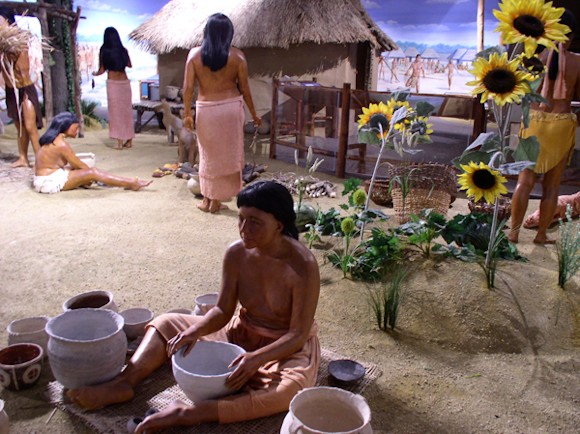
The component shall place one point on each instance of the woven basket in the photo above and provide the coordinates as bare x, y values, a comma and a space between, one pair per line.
381, 195
427, 176
417, 200
481, 206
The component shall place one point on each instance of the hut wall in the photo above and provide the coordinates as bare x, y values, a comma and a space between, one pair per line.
329, 64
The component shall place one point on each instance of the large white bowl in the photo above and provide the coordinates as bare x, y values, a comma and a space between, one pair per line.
203, 372
136, 319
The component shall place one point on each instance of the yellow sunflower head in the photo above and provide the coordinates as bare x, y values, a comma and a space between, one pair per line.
375, 115
482, 181
420, 125
532, 22
499, 79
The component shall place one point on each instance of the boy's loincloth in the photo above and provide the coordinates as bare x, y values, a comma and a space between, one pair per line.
52, 183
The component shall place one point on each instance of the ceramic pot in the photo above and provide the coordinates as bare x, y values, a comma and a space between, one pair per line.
4, 421
171, 92
20, 366
193, 185
181, 310
29, 330
203, 372
204, 303
91, 299
321, 410
86, 346
135, 321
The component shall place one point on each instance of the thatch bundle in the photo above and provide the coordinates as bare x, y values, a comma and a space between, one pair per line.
262, 23
13, 40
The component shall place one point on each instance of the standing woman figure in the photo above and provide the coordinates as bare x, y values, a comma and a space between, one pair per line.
221, 74
114, 58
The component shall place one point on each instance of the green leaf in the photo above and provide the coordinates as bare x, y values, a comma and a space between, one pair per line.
475, 156
369, 136
528, 149
481, 140
423, 108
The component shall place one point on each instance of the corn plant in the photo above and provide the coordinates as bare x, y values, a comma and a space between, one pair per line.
568, 248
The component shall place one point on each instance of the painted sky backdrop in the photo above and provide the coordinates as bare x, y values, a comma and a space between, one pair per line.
448, 22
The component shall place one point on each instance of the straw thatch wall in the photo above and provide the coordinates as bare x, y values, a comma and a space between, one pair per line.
326, 39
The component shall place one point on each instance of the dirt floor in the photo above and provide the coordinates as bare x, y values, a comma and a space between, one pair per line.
463, 360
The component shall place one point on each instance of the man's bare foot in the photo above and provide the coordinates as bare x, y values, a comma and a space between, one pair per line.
204, 205
21, 162
138, 184
102, 395
513, 237
215, 206
542, 239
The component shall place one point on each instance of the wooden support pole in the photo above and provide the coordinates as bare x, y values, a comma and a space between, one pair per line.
343, 134
76, 75
273, 118
46, 71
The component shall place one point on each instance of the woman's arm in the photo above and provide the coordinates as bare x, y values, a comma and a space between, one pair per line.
101, 69
71, 158
188, 88
244, 85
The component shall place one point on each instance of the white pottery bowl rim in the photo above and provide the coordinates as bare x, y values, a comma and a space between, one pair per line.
35, 359
148, 315
179, 355
17, 322
119, 320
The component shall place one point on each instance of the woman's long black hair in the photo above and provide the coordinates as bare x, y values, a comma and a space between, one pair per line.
114, 57
273, 198
568, 19
60, 123
217, 39
7, 14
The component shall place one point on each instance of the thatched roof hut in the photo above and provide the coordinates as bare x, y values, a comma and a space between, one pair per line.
334, 41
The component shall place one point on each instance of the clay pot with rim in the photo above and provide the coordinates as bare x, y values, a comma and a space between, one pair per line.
86, 346
100, 299
205, 302
29, 330
20, 365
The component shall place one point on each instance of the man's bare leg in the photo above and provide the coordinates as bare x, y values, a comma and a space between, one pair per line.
80, 177
22, 140
150, 356
550, 191
520, 200
178, 413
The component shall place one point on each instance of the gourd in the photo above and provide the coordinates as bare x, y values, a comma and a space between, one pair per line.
305, 215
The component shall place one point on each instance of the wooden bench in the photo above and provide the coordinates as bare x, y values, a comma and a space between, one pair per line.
147, 106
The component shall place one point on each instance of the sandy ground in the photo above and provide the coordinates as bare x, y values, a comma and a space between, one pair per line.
463, 360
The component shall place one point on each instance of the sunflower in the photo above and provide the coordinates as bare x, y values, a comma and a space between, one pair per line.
374, 115
499, 79
532, 22
482, 181
420, 125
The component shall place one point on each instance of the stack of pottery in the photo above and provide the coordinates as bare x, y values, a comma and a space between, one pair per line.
86, 346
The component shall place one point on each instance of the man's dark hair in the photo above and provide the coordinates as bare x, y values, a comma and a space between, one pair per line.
273, 198
217, 40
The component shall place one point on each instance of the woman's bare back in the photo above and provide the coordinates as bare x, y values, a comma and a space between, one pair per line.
217, 85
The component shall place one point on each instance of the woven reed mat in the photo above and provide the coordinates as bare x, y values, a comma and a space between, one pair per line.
160, 389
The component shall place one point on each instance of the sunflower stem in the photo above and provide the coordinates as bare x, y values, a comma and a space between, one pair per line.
375, 170
490, 247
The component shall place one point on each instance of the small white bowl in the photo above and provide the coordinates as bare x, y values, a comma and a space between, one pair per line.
29, 330
135, 321
205, 302
203, 372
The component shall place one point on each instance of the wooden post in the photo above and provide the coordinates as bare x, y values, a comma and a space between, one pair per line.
479, 115
76, 75
46, 74
273, 118
343, 134
480, 24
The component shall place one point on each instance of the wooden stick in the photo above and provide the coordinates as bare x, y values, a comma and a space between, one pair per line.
50, 417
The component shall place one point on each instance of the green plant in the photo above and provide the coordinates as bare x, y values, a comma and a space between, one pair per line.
345, 259
489, 266
385, 299
88, 108
375, 254
423, 229
568, 248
